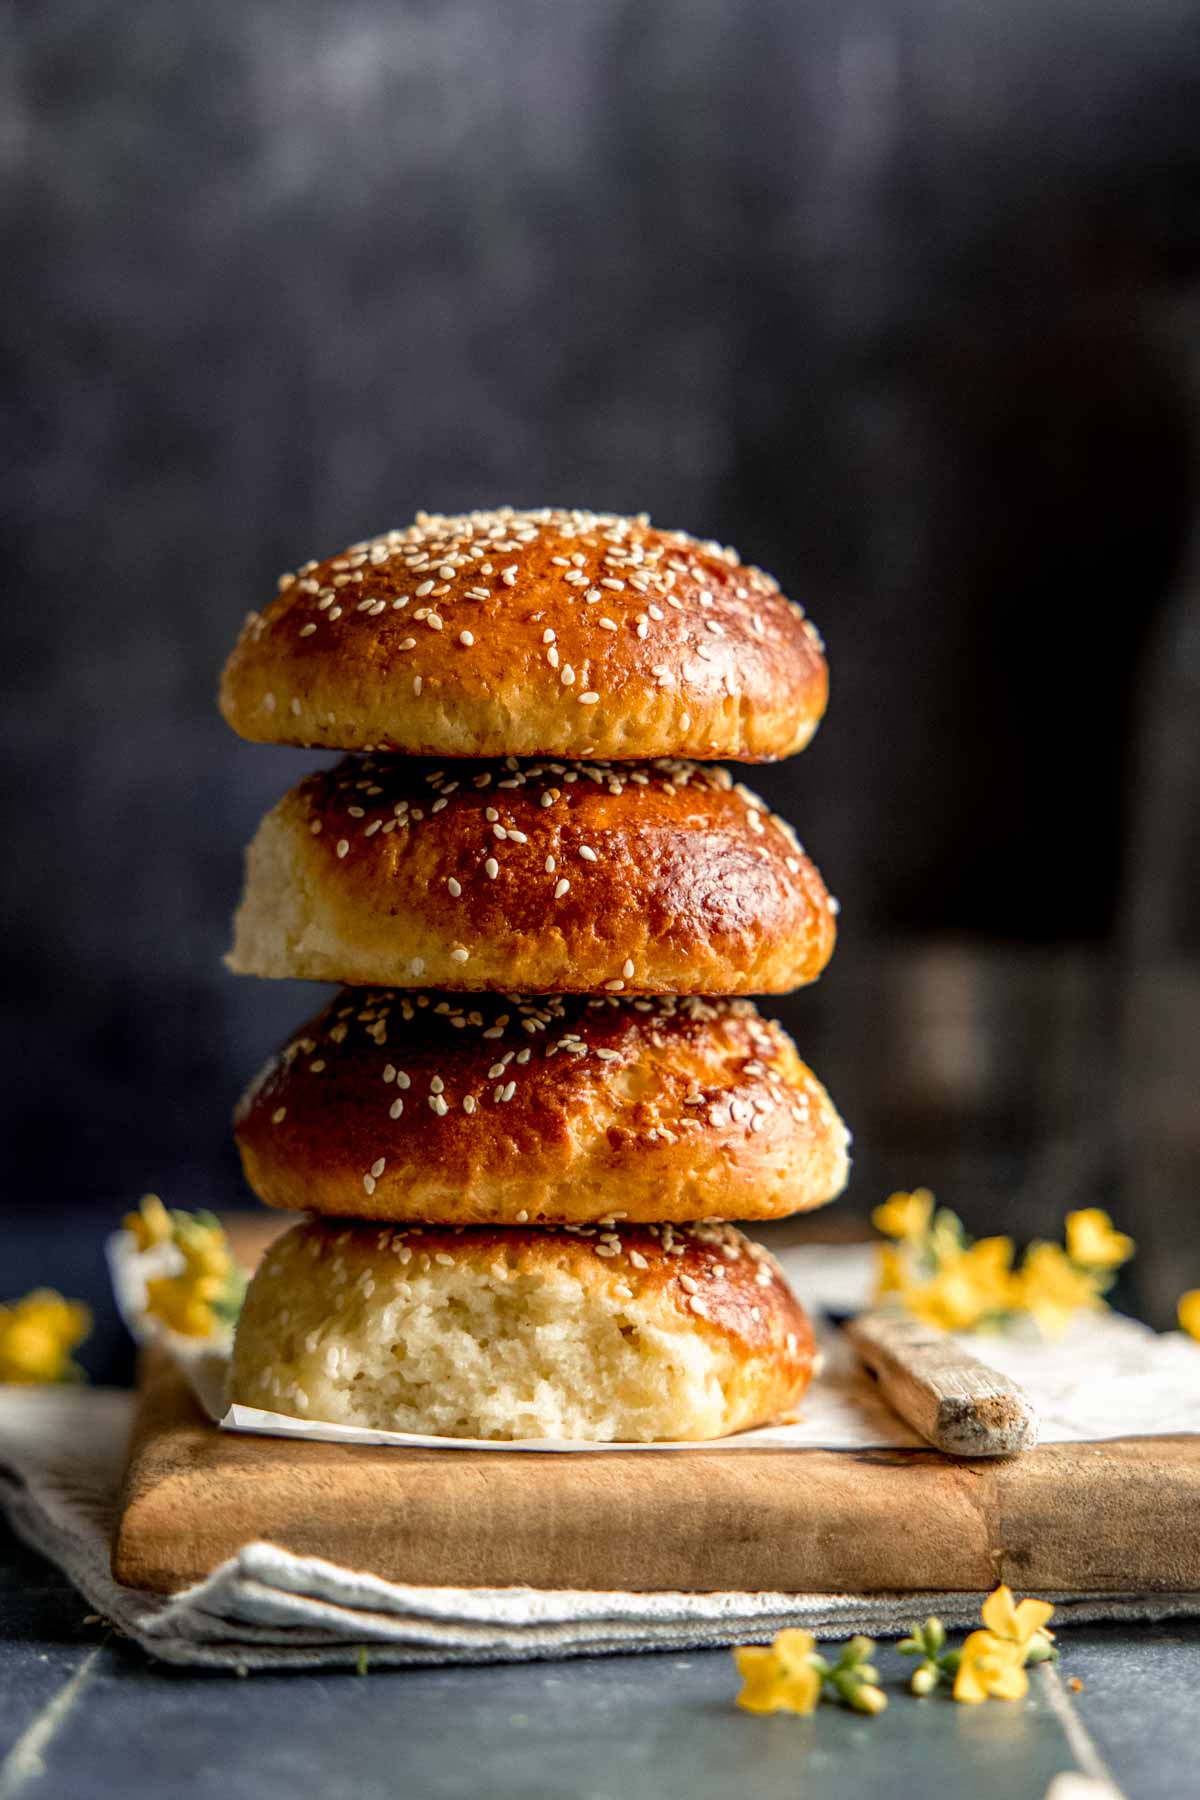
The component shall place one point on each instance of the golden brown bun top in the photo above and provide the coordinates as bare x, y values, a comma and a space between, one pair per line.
477, 1109
549, 633
666, 877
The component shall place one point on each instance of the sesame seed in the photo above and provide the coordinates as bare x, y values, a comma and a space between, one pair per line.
587, 853
368, 1184
378, 1166
460, 955
627, 969
468, 1103
551, 865
279, 1115
548, 636
307, 630
426, 587
396, 1108
607, 624
455, 887
509, 576
438, 1105
567, 675
433, 622
418, 684
491, 868
467, 638
561, 886
588, 699
343, 846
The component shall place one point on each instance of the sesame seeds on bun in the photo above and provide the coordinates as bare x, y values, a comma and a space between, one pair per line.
549, 633
481, 1109
542, 877
618, 1334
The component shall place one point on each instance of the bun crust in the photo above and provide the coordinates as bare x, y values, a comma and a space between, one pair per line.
484, 1110
550, 633
623, 1333
545, 878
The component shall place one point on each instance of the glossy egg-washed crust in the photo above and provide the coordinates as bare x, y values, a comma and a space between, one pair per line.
549, 633
488, 1110
705, 1280
539, 878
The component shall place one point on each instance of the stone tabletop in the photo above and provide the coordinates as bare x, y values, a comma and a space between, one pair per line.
84, 1716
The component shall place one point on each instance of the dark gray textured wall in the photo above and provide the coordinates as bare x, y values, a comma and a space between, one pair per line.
874, 291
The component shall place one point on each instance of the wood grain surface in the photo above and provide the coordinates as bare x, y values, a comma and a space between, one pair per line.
1117, 1517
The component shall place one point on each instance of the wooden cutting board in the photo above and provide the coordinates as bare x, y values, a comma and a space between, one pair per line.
1117, 1517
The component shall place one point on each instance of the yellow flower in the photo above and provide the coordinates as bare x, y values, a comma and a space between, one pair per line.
905, 1216
969, 1285
992, 1668
183, 1308
781, 1678
1092, 1240
37, 1336
151, 1224
1022, 1623
1052, 1288
187, 1301
1189, 1311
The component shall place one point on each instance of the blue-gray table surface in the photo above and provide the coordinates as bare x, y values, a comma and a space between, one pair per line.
84, 1714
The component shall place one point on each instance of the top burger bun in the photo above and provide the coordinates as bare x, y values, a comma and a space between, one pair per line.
549, 633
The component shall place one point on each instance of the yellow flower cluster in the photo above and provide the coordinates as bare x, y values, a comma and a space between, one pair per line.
205, 1290
37, 1336
791, 1676
943, 1278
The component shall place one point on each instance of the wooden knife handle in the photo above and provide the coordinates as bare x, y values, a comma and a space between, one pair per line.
955, 1401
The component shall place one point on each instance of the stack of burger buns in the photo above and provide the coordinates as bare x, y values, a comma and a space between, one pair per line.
518, 1128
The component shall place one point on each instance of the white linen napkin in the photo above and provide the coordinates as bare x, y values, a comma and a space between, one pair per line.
61, 1455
